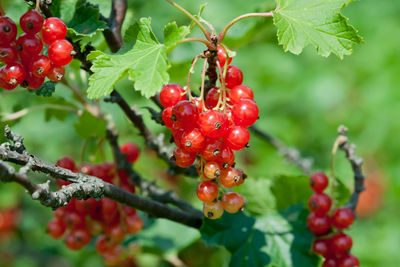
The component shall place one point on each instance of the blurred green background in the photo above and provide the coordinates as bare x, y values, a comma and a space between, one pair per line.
302, 100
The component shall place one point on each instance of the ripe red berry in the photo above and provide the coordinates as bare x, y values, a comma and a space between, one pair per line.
213, 210
115, 232
226, 158
53, 29
66, 163
318, 224
8, 30
232, 202
131, 151
133, 224
231, 177
212, 170
222, 56
166, 117
342, 218
186, 113
237, 137
104, 244
77, 239
73, 220
240, 92
40, 66
31, 21
171, 94
245, 113
192, 140
56, 228
56, 73
234, 76
61, 52
212, 97
212, 149
320, 203
182, 158
321, 247
207, 191
32, 82
319, 182
349, 260
114, 256
88, 206
8, 54
213, 123
330, 262
341, 244
12, 74
29, 46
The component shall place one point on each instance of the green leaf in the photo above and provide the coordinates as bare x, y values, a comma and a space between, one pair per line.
290, 190
315, 22
166, 237
258, 195
47, 89
274, 240
90, 126
174, 34
341, 192
146, 64
85, 22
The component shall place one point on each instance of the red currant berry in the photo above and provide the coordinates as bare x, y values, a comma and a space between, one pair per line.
133, 224
116, 233
193, 140
245, 113
213, 123
212, 170
318, 224
183, 159
53, 29
212, 150
12, 74
177, 136
222, 56
131, 151
29, 45
321, 247
32, 82
74, 220
213, 210
186, 113
234, 77
198, 103
31, 21
212, 97
240, 92
8, 30
319, 182
171, 94
114, 256
232, 202
56, 228
330, 262
341, 244
40, 67
104, 244
109, 208
237, 137
231, 177
61, 52
166, 117
86, 206
349, 261
56, 73
66, 163
207, 191
77, 239
226, 158
342, 218
8, 54
320, 203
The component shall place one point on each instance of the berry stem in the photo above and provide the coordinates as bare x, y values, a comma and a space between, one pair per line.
248, 15
25, 111
2, 13
206, 33
37, 8
191, 70
187, 40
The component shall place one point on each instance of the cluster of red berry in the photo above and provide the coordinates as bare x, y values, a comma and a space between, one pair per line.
333, 245
105, 219
211, 129
8, 221
25, 63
